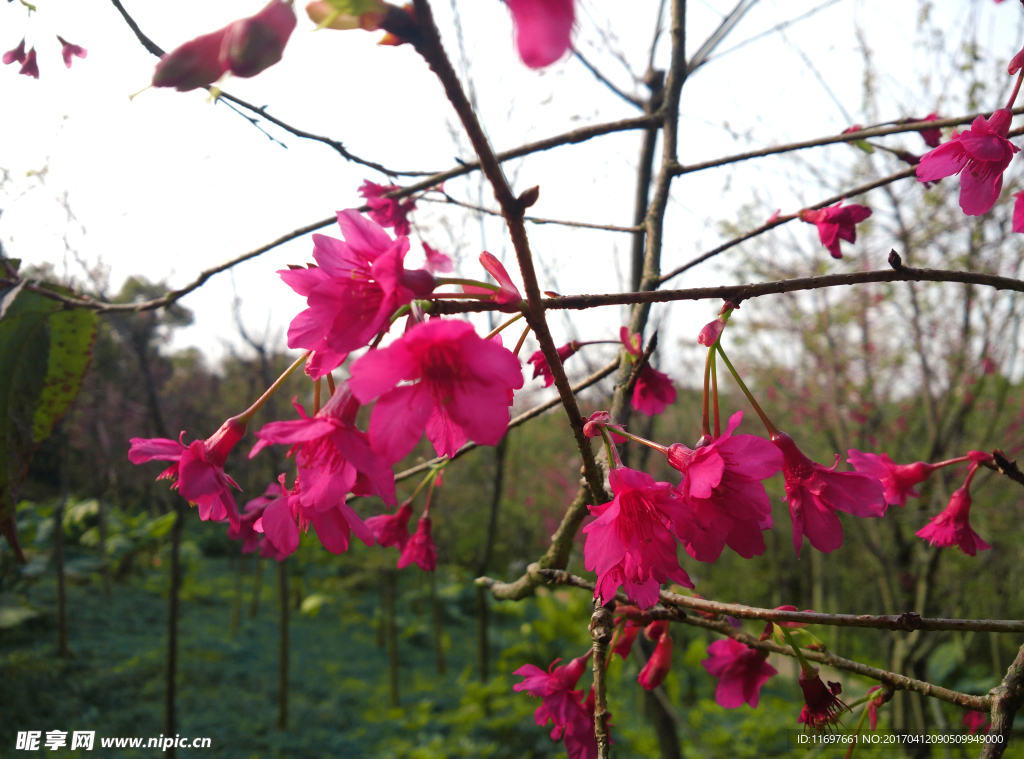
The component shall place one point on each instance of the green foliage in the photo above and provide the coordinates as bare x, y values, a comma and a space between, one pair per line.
44, 353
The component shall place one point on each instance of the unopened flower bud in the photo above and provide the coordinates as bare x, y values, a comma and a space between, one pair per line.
257, 43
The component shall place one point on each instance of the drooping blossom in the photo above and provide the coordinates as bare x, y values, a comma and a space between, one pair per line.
560, 703
244, 47
710, 333
654, 390
980, 155
1018, 211
898, 480
580, 741
30, 67
821, 705
392, 529
507, 291
1016, 63
724, 500
284, 517
356, 286
251, 512
420, 549
836, 223
15, 55
952, 526
657, 668
256, 43
543, 29
437, 262
460, 386
326, 16
876, 702
388, 212
816, 492
540, 364
631, 628
198, 469
932, 137
975, 721
630, 544
331, 453
741, 671
69, 50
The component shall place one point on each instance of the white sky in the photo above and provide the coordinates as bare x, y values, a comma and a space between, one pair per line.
167, 184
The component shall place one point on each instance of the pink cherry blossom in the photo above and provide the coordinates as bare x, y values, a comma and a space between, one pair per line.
30, 67
507, 292
460, 386
630, 542
198, 469
353, 290
630, 630
15, 55
741, 671
250, 514
932, 137
836, 223
437, 262
710, 333
983, 151
69, 49
821, 705
952, 526
560, 703
388, 212
284, 517
657, 668
330, 453
816, 492
392, 529
1018, 211
543, 29
256, 43
975, 721
724, 500
540, 364
420, 549
898, 480
580, 741
654, 391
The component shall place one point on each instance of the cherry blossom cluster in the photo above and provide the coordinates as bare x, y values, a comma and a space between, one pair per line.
438, 378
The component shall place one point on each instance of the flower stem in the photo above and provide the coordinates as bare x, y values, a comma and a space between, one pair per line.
643, 441
750, 397
705, 419
522, 339
497, 330
400, 313
316, 396
610, 449
860, 723
454, 296
804, 664
471, 282
246, 415
330, 383
1016, 89
714, 392
951, 462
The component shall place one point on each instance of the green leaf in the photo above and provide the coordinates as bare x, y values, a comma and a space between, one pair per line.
357, 7
864, 145
44, 353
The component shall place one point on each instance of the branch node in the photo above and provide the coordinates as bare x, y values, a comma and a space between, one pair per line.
895, 261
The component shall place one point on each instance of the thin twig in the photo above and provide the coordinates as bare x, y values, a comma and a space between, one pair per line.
449, 200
